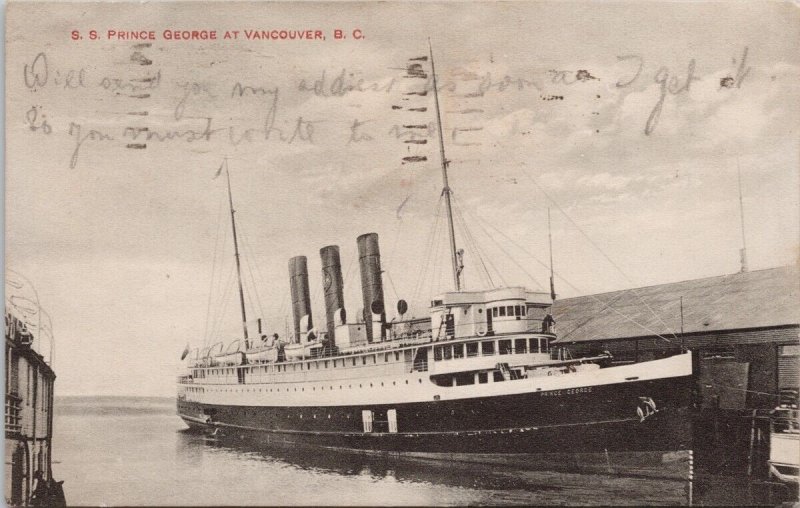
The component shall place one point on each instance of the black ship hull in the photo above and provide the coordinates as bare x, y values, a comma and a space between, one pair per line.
610, 418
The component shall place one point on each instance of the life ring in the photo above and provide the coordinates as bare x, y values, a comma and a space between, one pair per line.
481, 333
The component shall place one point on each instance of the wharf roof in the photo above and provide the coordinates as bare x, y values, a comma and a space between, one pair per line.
756, 299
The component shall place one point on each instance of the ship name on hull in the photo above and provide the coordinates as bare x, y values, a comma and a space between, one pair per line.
569, 391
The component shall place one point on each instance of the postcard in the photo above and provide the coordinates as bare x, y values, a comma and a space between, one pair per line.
383, 253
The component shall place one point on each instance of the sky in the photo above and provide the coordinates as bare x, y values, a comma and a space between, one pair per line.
631, 122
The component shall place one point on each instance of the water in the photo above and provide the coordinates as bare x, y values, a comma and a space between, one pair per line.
136, 451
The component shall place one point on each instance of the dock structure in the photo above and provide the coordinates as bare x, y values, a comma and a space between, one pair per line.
28, 414
744, 331
745, 328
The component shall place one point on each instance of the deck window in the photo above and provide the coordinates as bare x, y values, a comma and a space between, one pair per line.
497, 376
363, 360
510, 310
472, 349
504, 347
465, 379
494, 311
448, 352
519, 346
534, 345
502, 311
522, 310
458, 350
483, 377
487, 348
437, 353
543, 344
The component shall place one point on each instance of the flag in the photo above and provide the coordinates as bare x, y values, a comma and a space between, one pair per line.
219, 171
185, 351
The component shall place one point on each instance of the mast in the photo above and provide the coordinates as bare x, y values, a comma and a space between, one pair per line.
446, 187
743, 252
550, 240
236, 252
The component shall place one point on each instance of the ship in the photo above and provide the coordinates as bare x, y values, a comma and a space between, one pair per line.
482, 374
30, 380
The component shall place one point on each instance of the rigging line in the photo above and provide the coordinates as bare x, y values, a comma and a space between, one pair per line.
213, 271
347, 273
479, 221
430, 248
220, 305
223, 304
394, 290
427, 251
220, 283
435, 285
478, 250
486, 277
259, 275
524, 172
499, 273
563, 279
251, 256
434, 282
401, 218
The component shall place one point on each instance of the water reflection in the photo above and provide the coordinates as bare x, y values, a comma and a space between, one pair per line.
498, 483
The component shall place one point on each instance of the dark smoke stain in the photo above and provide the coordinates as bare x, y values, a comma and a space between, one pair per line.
417, 141
136, 146
142, 45
415, 158
421, 110
583, 75
727, 82
415, 126
139, 113
397, 107
552, 97
422, 93
140, 96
